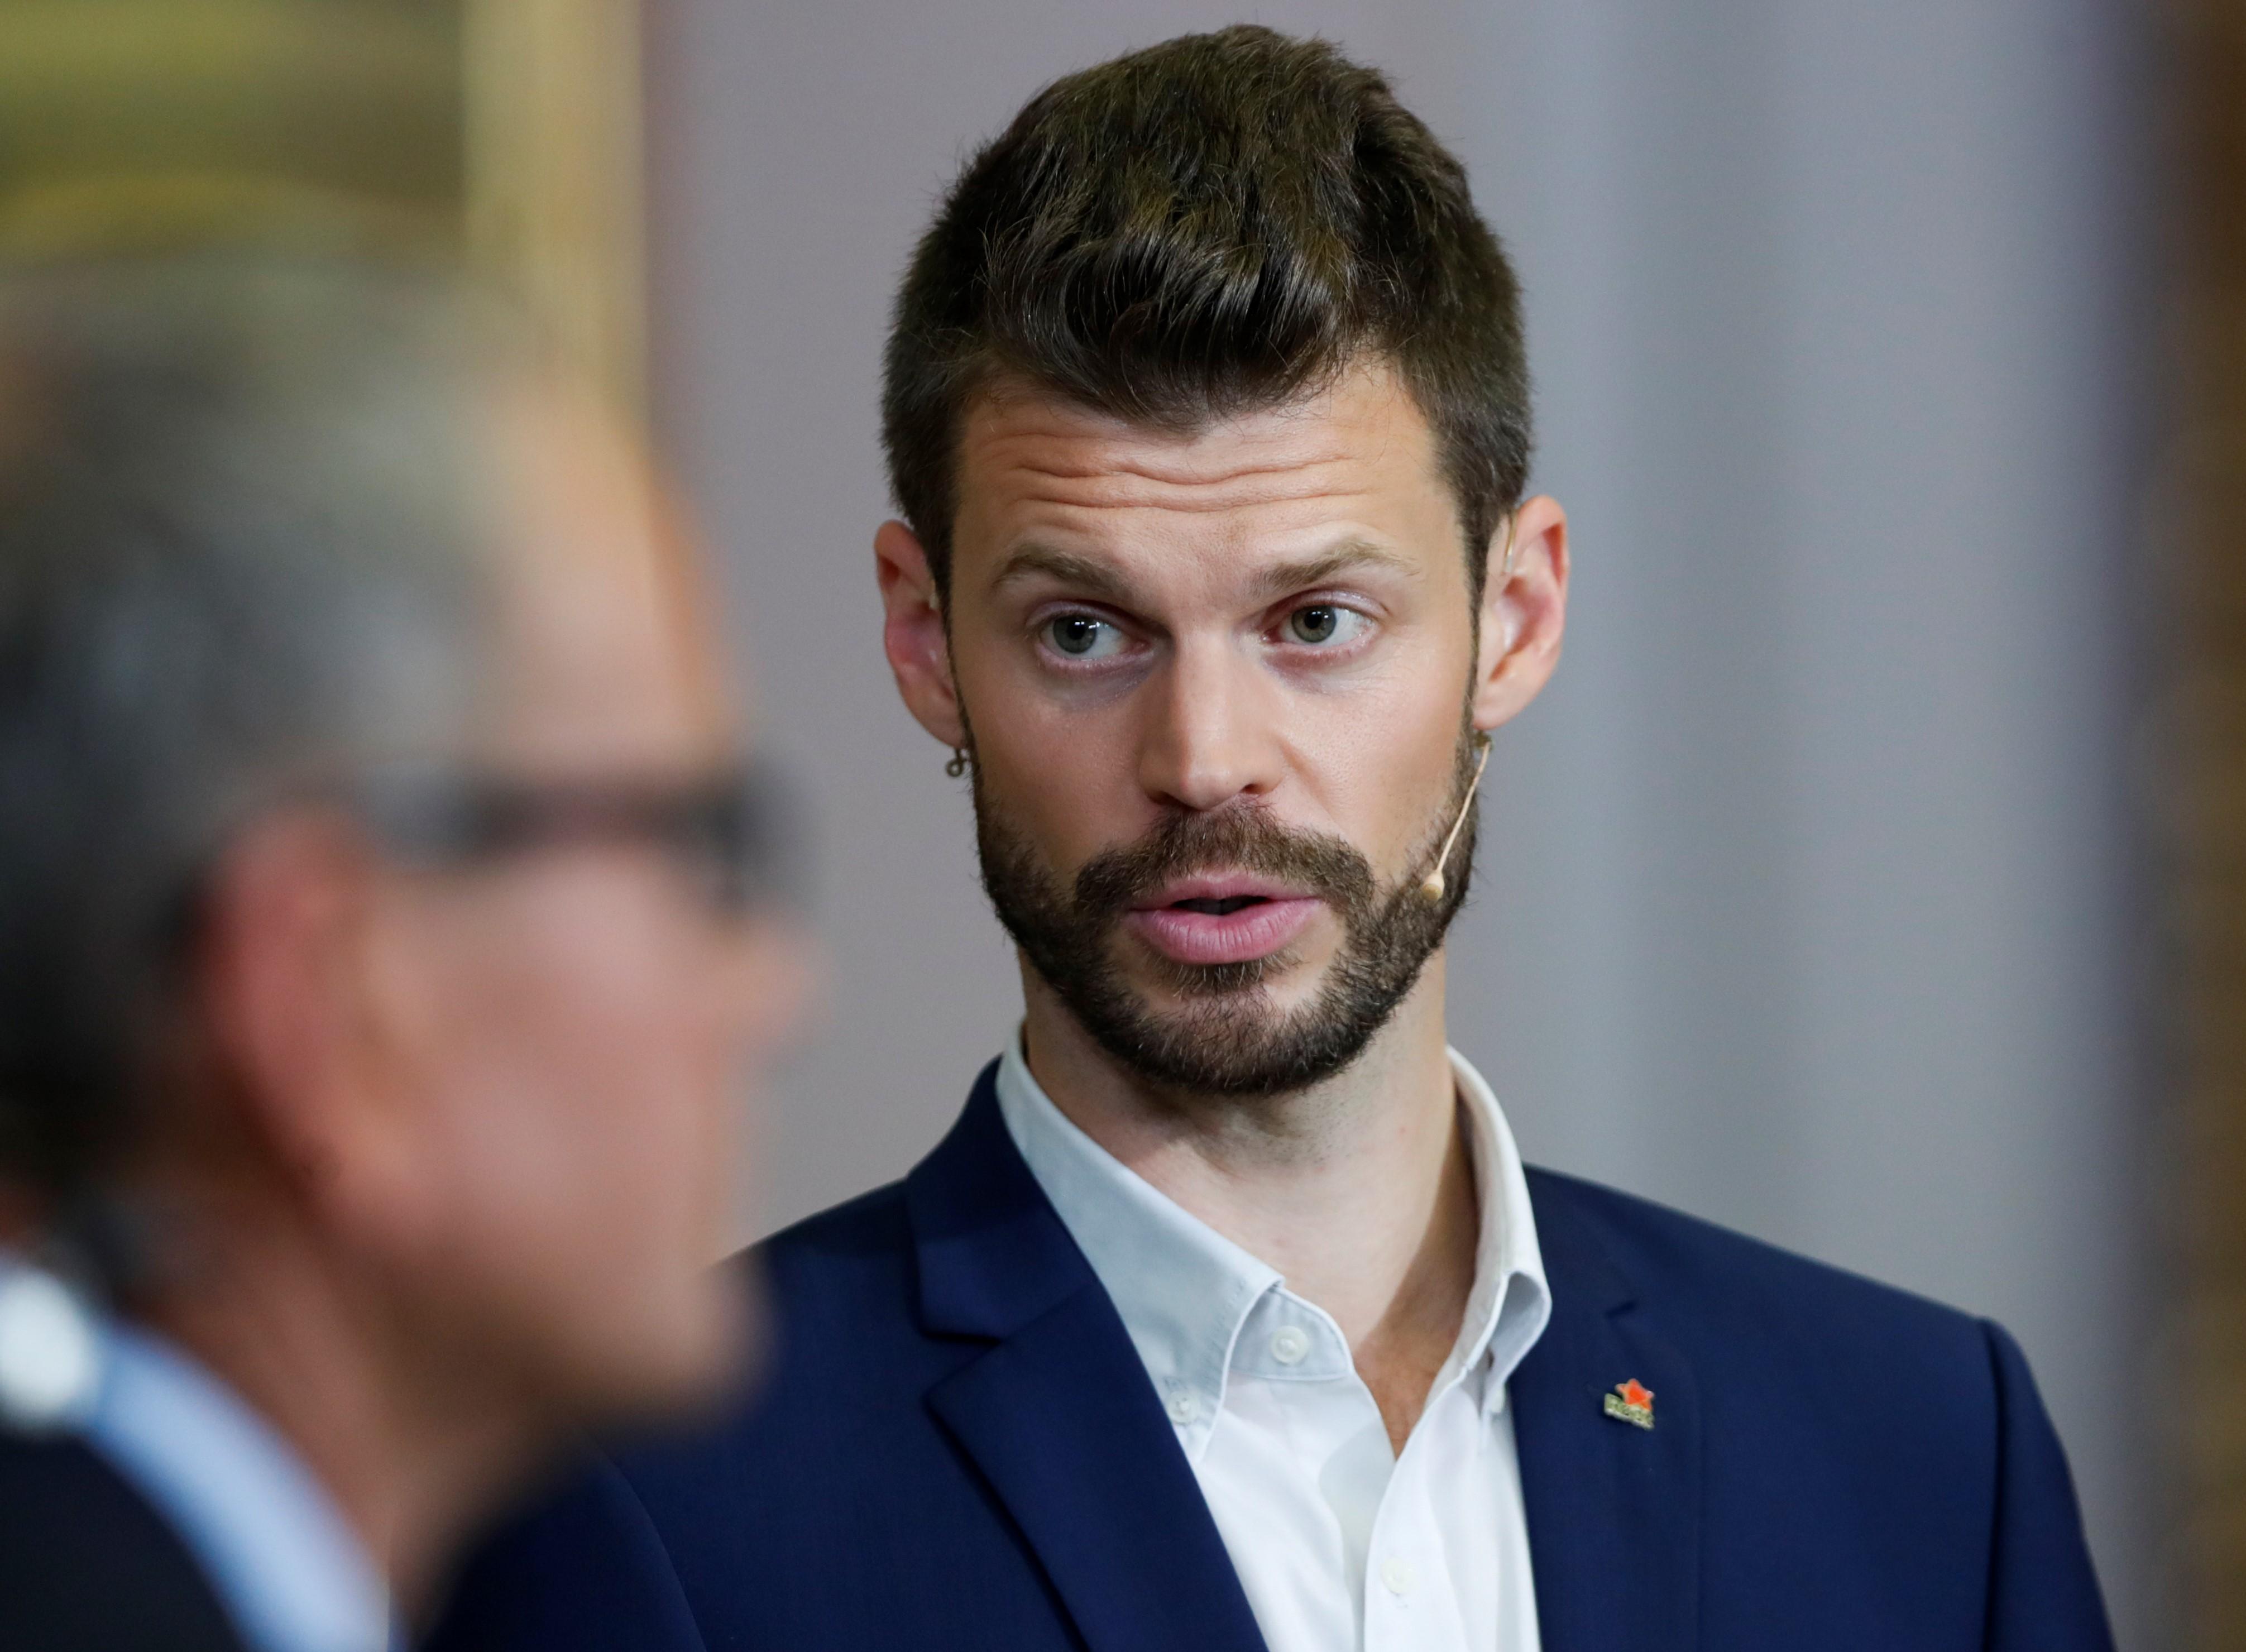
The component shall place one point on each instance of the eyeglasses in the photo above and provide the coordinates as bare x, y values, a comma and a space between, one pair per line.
729, 831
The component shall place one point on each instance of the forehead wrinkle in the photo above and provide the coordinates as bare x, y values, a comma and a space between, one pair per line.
1185, 475
1053, 459
1132, 488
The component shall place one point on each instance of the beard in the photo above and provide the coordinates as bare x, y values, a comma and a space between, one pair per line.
1225, 1036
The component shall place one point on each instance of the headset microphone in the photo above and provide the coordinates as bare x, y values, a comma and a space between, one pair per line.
1432, 885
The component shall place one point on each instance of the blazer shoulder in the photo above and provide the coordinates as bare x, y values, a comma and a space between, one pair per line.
843, 1259
873, 1223
1944, 1457
1691, 1271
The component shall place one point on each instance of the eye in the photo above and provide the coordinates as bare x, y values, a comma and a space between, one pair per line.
1323, 625
1083, 637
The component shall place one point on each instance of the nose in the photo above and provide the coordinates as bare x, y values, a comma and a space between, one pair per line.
1209, 736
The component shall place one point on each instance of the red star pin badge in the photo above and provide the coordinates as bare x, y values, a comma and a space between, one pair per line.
1632, 1401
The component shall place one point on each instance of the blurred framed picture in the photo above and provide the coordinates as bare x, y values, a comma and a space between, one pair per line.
503, 133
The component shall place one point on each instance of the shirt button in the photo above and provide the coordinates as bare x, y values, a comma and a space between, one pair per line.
1290, 1344
1396, 1573
1183, 1407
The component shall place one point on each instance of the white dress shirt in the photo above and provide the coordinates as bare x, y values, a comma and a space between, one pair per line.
284, 1563
1341, 1544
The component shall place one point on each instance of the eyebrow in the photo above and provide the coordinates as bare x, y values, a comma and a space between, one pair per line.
1097, 579
1329, 565
1079, 573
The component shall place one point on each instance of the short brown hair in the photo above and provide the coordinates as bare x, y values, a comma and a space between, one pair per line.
1214, 224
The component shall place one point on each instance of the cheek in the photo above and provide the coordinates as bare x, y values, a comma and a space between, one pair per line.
1064, 773
1376, 758
590, 1076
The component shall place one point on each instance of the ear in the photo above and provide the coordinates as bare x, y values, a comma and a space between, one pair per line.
280, 976
1524, 609
913, 635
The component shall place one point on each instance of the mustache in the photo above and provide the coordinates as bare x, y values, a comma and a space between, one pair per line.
1244, 838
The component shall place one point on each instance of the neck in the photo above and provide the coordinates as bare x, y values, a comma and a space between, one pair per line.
411, 1461
1359, 1190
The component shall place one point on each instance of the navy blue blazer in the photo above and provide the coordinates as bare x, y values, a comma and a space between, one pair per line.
957, 1450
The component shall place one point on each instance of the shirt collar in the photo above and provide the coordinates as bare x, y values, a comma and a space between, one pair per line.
1511, 1301
292, 1574
1184, 1291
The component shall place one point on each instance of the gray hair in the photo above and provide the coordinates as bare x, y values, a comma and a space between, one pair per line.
240, 548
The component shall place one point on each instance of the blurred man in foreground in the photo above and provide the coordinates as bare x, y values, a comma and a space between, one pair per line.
1227, 1315
383, 934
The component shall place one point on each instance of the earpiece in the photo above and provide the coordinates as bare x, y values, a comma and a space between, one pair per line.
1504, 567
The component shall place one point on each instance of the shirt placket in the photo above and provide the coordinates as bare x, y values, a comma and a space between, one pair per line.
1409, 1603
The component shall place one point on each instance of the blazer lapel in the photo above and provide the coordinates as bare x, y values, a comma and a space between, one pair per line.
1614, 1509
1057, 1413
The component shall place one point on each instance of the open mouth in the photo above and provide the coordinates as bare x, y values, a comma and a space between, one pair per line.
1222, 907
1223, 919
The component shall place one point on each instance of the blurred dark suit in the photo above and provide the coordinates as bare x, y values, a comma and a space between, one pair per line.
87, 1566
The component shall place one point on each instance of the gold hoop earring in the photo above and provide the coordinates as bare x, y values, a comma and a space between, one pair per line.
957, 766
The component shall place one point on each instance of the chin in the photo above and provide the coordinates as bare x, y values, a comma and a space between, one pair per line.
1270, 988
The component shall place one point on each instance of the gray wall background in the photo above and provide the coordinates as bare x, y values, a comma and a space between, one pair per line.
1806, 896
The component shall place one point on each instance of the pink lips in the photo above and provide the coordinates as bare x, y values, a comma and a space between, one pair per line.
1189, 923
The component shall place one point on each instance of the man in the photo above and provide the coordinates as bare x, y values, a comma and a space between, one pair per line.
1226, 1314
382, 927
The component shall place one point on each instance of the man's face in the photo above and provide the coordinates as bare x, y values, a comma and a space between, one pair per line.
573, 1024
1219, 692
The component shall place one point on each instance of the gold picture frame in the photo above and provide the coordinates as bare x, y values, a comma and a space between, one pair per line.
502, 134
553, 198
